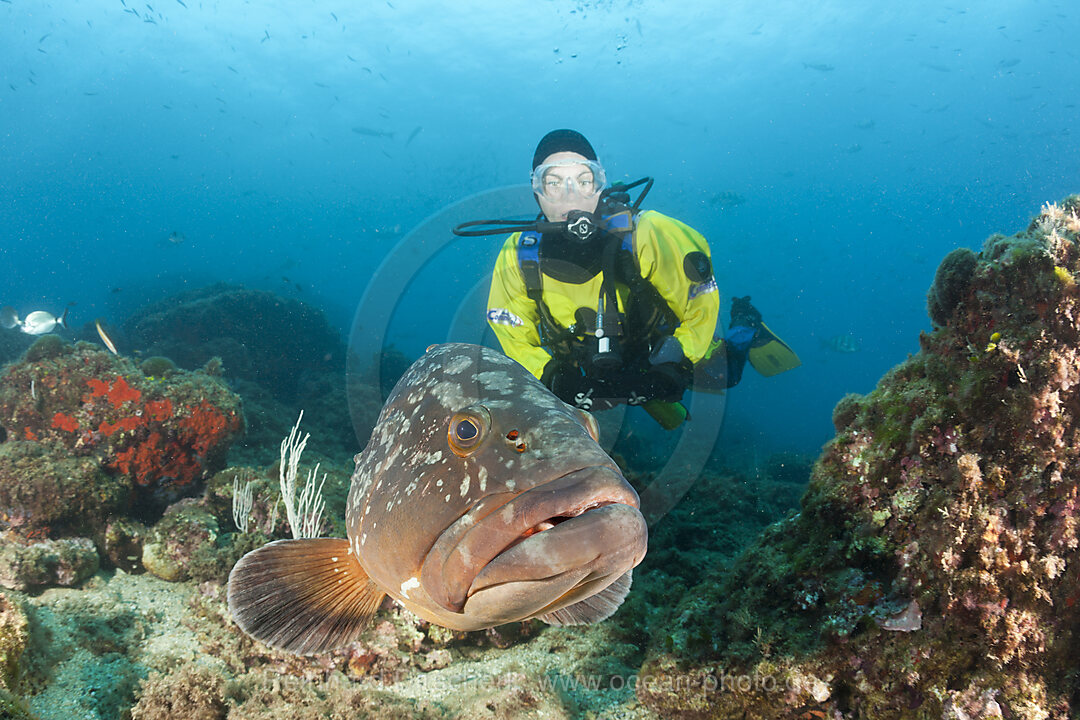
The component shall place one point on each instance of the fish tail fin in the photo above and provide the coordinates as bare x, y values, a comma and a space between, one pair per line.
62, 320
9, 317
303, 596
594, 608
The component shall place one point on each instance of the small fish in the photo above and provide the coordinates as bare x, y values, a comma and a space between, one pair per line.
38, 322
373, 132
265, 37
820, 67
842, 344
413, 134
176, 238
727, 199
105, 337
480, 499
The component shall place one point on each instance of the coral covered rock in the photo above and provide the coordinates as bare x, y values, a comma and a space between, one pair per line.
66, 562
187, 532
934, 570
13, 638
258, 336
123, 542
160, 436
191, 692
43, 492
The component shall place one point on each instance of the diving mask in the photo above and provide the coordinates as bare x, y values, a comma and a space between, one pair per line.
560, 181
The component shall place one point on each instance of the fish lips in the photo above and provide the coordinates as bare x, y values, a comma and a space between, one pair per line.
509, 560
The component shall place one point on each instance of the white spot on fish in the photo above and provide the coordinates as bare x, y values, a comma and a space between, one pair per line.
408, 585
458, 364
465, 486
483, 476
449, 394
499, 381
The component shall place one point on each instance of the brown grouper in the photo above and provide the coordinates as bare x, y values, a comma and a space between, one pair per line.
481, 499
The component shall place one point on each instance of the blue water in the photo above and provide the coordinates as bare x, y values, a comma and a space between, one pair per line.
293, 145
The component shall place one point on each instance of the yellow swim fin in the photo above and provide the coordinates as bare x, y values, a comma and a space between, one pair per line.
770, 355
670, 415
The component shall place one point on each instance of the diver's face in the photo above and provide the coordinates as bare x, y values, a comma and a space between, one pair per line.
566, 181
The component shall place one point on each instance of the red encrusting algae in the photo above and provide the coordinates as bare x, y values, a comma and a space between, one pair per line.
161, 433
159, 410
118, 393
65, 422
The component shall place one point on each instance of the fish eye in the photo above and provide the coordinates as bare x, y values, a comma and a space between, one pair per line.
466, 431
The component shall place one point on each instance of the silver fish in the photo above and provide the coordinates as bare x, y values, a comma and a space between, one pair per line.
842, 344
373, 132
38, 322
480, 499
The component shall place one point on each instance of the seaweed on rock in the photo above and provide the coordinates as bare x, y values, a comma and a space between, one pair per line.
934, 569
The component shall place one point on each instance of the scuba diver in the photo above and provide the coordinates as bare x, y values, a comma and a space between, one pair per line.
607, 304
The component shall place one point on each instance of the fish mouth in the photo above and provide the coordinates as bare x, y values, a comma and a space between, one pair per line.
544, 542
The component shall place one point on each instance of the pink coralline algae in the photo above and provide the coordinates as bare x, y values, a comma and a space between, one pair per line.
939, 528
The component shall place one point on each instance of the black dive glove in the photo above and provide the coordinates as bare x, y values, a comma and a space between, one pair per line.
574, 388
668, 376
665, 382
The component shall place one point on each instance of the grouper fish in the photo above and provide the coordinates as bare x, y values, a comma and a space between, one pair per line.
480, 499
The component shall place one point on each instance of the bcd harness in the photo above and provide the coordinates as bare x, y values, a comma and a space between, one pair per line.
646, 316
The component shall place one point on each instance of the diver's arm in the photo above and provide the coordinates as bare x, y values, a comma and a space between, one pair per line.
512, 314
663, 245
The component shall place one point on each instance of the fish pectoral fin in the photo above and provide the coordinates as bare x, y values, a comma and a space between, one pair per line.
594, 608
303, 596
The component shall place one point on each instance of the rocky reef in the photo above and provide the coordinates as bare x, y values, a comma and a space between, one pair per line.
94, 448
156, 436
933, 570
281, 355
275, 342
